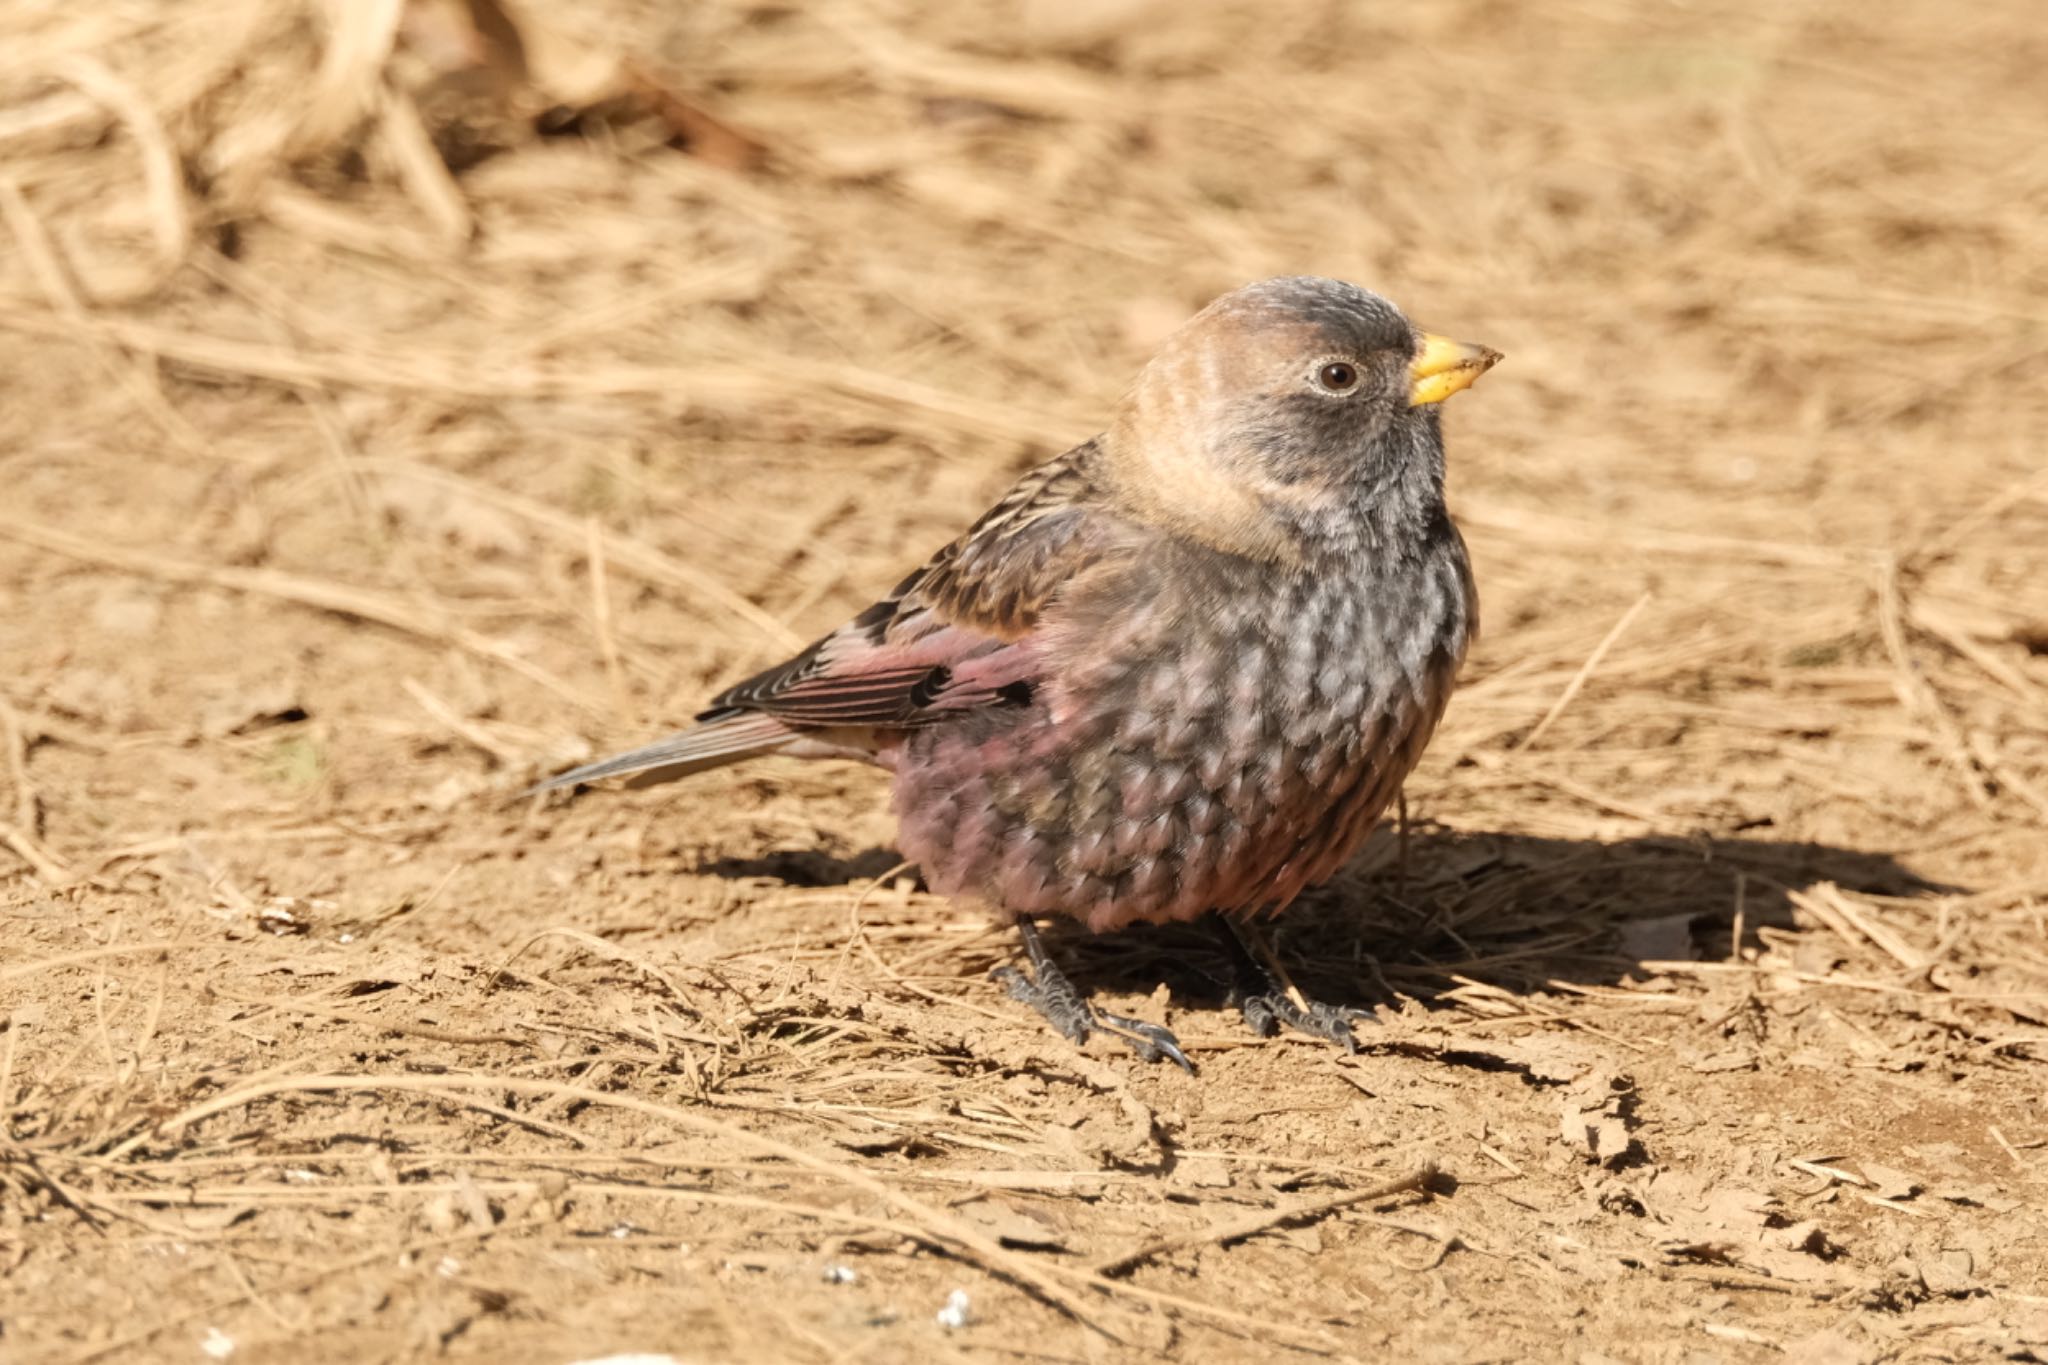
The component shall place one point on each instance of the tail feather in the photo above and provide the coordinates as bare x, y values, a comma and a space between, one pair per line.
741, 734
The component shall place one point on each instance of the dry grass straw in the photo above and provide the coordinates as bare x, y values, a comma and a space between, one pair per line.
326, 596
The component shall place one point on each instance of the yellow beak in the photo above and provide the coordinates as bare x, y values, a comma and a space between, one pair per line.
1443, 366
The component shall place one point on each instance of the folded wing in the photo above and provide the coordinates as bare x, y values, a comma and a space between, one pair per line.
958, 635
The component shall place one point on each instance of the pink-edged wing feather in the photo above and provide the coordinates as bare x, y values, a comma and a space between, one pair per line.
959, 634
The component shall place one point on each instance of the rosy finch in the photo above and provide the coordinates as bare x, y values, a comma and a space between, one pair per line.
1178, 671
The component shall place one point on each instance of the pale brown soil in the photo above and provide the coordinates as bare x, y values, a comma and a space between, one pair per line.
343, 495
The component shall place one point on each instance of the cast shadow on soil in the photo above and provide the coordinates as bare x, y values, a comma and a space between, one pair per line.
1509, 910
806, 867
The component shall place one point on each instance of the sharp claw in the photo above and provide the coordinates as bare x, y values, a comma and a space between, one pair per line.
1265, 999
1149, 1041
1265, 1014
1050, 993
1334, 1024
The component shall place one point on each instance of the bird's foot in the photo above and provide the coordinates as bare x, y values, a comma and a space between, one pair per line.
1267, 1012
1268, 1003
1048, 991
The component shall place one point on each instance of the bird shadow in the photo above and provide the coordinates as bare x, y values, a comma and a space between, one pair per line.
1513, 912
806, 867
1440, 909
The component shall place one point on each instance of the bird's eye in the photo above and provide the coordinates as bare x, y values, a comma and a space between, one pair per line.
1337, 376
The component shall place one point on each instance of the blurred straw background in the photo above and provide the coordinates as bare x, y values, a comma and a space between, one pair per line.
402, 398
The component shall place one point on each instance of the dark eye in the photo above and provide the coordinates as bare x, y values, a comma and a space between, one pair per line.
1338, 377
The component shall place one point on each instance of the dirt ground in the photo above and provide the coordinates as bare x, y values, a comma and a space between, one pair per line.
401, 403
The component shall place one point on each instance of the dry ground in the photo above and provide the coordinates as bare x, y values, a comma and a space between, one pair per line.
389, 420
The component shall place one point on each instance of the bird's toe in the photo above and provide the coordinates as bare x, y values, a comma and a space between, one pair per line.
1266, 1013
1152, 1042
1053, 998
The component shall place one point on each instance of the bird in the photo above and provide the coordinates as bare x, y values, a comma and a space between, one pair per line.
1174, 674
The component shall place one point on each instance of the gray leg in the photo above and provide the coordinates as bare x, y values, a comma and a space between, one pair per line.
1048, 991
1264, 999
